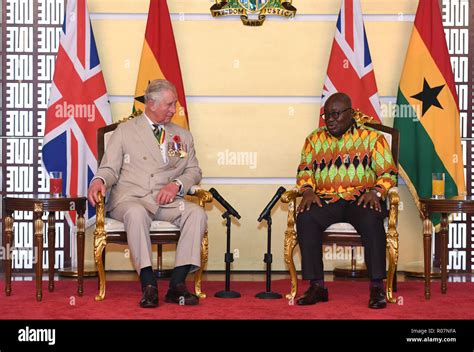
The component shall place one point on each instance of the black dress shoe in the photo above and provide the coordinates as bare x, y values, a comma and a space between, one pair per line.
149, 297
314, 294
180, 295
377, 298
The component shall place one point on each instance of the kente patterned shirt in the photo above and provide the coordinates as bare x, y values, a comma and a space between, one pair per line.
345, 167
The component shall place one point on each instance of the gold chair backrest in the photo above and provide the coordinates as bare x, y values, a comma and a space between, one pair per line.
104, 134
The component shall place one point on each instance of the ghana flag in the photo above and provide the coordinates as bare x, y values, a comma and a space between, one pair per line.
427, 114
160, 60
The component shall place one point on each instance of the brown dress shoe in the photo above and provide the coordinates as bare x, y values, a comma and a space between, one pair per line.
314, 294
377, 298
149, 297
181, 296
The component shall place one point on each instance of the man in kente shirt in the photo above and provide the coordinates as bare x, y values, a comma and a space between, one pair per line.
345, 173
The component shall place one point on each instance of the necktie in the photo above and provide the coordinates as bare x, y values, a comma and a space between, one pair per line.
159, 132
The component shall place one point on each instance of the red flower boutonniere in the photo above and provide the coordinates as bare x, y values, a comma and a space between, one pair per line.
176, 139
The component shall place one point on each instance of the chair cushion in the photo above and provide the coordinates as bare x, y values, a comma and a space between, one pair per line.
342, 227
112, 225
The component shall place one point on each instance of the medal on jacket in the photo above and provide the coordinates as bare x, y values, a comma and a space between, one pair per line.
176, 148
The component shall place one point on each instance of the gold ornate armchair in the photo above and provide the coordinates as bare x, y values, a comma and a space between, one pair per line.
109, 230
342, 233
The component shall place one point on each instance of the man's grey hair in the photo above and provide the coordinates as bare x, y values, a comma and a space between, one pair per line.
155, 87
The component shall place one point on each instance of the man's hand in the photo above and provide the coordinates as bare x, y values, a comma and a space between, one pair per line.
96, 186
370, 198
309, 198
167, 194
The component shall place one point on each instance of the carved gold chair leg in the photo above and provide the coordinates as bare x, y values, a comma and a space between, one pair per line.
203, 198
392, 265
100, 242
392, 243
99, 247
290, 239
204, 258
290, 244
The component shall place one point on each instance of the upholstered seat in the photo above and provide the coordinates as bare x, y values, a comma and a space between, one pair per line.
112, 225
343, 227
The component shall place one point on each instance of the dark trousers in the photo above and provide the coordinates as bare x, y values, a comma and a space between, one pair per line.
369, 224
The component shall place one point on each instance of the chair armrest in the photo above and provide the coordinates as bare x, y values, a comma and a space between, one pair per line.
289, 196
202, 195
393, 202
393, 189
393, 197
100, 213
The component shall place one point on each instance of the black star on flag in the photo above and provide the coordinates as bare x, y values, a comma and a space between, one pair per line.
429, 96
141, 98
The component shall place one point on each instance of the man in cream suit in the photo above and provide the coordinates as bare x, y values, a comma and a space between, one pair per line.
149, 165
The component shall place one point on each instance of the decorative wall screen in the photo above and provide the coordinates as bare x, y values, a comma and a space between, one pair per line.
30, 37
458, 19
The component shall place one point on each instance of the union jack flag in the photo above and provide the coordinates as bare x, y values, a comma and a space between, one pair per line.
350, 67
78, 105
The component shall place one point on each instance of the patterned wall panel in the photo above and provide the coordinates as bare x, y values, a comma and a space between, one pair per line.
30, 37
457, 18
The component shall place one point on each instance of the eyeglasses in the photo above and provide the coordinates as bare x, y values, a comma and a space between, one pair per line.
335, 115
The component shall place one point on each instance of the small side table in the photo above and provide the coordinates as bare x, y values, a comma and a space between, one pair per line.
460, 204
39, 203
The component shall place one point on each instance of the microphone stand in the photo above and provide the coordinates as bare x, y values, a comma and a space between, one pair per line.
268, 259
229, 258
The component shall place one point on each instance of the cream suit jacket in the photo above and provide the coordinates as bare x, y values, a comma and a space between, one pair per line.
133, 167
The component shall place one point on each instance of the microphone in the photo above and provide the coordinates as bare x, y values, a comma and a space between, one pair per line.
223, 202
272, 203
